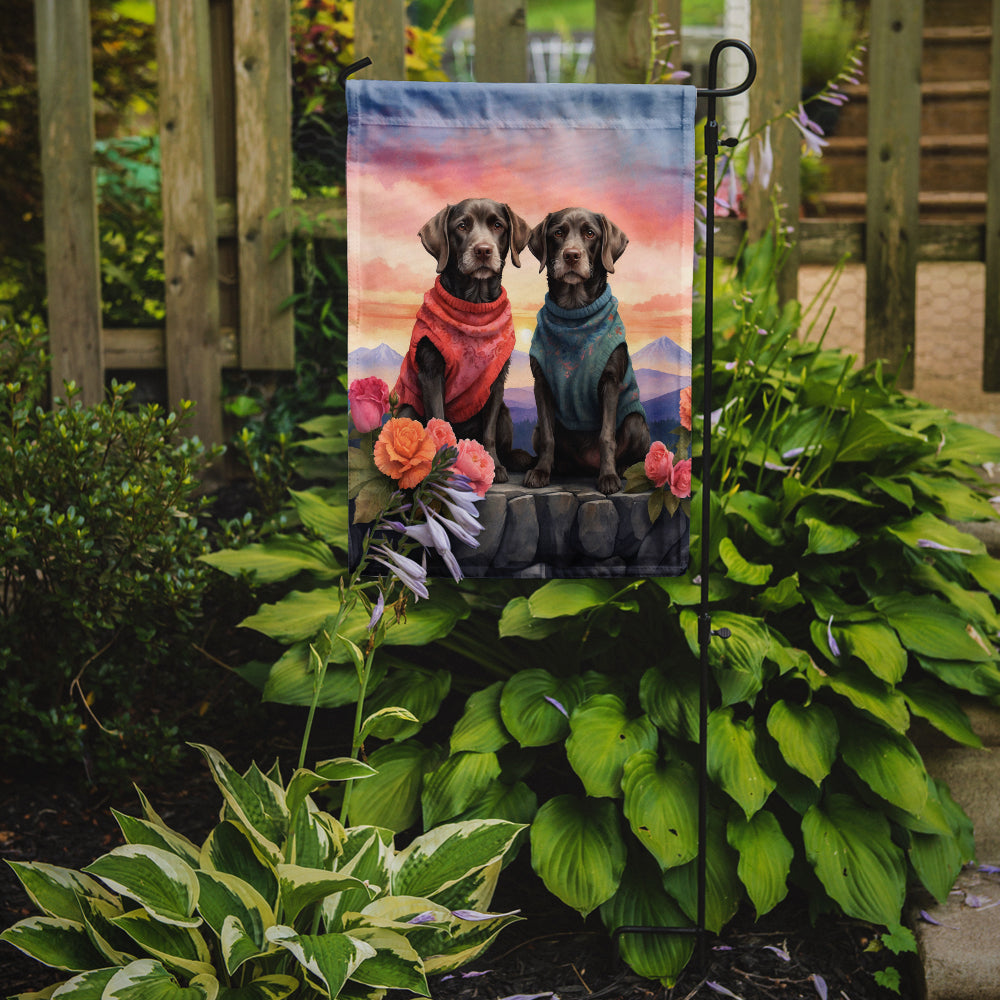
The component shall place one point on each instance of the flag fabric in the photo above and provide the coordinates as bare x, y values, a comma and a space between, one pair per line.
625, 155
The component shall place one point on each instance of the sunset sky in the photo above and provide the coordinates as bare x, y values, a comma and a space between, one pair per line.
407, 161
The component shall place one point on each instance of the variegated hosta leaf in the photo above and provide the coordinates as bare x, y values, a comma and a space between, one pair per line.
230, 849
159, 881
99, 915
273, 987
456, 784
641, 901
54, 941
315, 839
56, 891
224, 898
147, 979
329, 959
301, 887
481, 728
256, 801
366, 856
661, 805
578, 851
141, 831
466, 941
441, 857
177, 947
765, 858
86, 986
851, 849
475, 891
395, 965
807, 736
732, 760
304, 782
602, 737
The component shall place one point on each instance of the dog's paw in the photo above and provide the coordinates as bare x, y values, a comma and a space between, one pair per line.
609, 483
536, 478
499, 473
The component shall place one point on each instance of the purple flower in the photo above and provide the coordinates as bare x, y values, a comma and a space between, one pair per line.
780, 952
719, 988
831, 642
377, 611
927, 543
761, 163
475, 915
432, 535
552, 701
427, 917
820, 983
811, 132
412, 574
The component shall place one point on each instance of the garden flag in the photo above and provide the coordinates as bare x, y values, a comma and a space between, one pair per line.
545, 231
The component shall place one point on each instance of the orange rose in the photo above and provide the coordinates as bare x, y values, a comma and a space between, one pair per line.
404, 451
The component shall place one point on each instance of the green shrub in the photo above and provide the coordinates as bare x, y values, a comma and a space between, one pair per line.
280, 899
101, 584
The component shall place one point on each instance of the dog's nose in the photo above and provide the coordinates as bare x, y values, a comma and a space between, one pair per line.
483, 251
572, 256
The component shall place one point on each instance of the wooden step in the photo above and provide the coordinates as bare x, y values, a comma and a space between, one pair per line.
945, 12
956, 53
961, 206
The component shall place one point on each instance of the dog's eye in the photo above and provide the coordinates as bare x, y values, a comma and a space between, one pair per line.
498, 226
589, 234
558, 233
461, 225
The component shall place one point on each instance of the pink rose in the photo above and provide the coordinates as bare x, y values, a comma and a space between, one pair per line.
686, 407
680, 479
475, 464
369, 402
659, 464
441, 433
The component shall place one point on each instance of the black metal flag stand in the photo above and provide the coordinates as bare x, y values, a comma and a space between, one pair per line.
705, 631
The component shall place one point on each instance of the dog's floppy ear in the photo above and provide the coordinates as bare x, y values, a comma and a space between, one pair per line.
613, 244
519, 233
537, 243
434, 236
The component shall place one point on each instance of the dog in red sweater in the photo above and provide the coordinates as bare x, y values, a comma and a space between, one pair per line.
463, 337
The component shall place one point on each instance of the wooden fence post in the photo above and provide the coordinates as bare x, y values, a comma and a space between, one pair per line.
261, 58
72, 255
190, 251
892, 212
380, 34
501, 41
621, 40
776, 35
991, 332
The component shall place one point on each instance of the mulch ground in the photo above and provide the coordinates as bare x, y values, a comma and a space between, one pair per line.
551, 953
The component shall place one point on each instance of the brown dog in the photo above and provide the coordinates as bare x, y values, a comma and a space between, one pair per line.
461, 344
586, 395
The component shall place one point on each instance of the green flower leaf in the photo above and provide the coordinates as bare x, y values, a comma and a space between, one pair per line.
932, 628
535, 706
456, 784
147, 979
179, 948
807, 736
851, 850
56, 891
738, 569
419, 692
560, 598
279, 558
395, 964
765, 858
936, 704
391, 798
828, 539
481, 727
732, 760
328, 520
601, 739
888, 763
577, 850
301, 887
671, 699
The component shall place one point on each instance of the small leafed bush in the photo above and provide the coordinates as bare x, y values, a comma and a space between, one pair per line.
280, 899
99, 575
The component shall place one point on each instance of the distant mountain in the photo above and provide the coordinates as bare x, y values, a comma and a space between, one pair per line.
657, 383
662, 355
520, 370
381, 361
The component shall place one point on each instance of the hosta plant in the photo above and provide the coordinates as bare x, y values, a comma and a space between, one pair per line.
279, 900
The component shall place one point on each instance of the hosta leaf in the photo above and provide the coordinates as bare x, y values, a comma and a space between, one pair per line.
441, 857
661, 806
391, 798
291, 680
273, 987
279, 558
976, 678
327, 520
671, 699
602, 738
738, 661
304, 782
86, 986
225, 897
932, 628
928, 528
420, 692
385, 723
828, 539
758, 511
230, 849
530, 706
181, 948
937, 859
641, 901
301, 887
783, 595
807, 736
985, 569
517, 620
147, 979
516, 803
142, 831
56, 891
765, 858
888, 763
739, 569
723, 889
864, 691
958, 502
869, 436
481, 728
330, 959
465, 941
941, 709
159, 881
732, 760
395, 964
560, 598
98, 916
578, 851
456, 784
876, 645
850, 848
366, 856
54, 941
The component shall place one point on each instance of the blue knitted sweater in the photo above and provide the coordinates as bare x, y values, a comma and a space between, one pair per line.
573, 346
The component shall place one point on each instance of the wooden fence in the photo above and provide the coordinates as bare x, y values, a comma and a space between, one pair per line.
226, 160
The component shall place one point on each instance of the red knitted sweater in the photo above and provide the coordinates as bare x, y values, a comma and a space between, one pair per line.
475, 339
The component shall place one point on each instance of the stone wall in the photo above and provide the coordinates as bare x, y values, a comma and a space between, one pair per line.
570, 529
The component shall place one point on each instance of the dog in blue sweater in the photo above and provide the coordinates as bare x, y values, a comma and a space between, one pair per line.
589, 414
